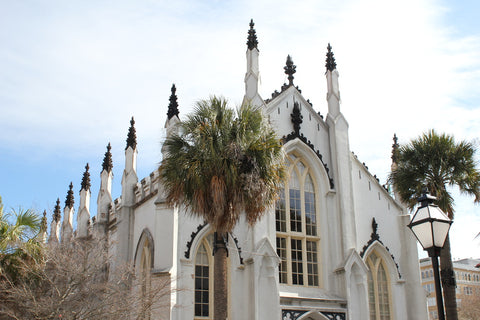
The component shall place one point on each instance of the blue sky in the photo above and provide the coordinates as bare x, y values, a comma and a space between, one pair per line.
72, 73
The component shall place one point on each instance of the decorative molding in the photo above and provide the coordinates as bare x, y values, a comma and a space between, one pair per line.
335, 315
292, 314
296, 314
374, 236
300, 136
192, 237
238, 248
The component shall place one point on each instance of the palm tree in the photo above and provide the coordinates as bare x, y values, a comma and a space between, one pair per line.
437, 162
221, 164
18, 243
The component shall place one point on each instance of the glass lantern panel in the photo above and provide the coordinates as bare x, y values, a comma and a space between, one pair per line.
424, 234
440, 231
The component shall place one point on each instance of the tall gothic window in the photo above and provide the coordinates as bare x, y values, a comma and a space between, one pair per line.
203, 305
296, 215
379, 295
145, 279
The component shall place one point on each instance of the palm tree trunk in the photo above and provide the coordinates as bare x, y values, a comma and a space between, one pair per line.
448, 281
220, 291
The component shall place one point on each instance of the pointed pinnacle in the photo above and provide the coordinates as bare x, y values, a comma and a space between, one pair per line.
252, 41
132, 136
69, 201
86, 179
107, 164
173, 105
290, 69
57, 215
43, 222
330, 63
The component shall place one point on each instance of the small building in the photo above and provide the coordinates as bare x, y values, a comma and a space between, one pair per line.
335, 246
467, 277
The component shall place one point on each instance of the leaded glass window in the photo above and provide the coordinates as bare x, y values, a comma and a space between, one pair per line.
296, 222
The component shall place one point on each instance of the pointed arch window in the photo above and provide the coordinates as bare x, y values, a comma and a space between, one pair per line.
145, 279
203, 282
296, 215
379, 292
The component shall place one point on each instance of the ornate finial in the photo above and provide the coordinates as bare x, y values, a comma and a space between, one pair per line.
252, 37
394, 148
132, 136
290, 69
296, 118
173, 105
374, 226
330, 62
43, 222
107, 164
69, 201
86, 179
57, 215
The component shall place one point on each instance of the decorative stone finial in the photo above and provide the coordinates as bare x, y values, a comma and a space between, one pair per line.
374, 228
290, 69
43, 222
330, 63
394, 148
107, 164
252, 37
173, 105
57, 214
86, 179
132, 136
296, 118
69, 201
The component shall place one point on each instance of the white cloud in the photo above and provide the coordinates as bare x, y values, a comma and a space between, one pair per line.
73, 74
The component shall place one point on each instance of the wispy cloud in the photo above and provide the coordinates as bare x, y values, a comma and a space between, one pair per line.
72, 74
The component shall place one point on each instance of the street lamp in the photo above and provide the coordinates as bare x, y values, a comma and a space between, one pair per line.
430, 226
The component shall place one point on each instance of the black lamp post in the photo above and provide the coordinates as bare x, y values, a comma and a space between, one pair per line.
430, 226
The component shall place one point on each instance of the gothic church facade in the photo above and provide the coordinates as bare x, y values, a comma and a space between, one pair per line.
335, 246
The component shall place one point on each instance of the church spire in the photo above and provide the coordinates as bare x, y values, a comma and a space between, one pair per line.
132, 136
252, 41
173, 105
330, 63
290, 69
69, 201
86, 179
107, 164
57, 214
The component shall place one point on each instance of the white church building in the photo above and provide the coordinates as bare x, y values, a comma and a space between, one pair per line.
335, 246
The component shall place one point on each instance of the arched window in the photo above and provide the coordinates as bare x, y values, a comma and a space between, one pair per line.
296, 215
145, 279
378, 288
204, 280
